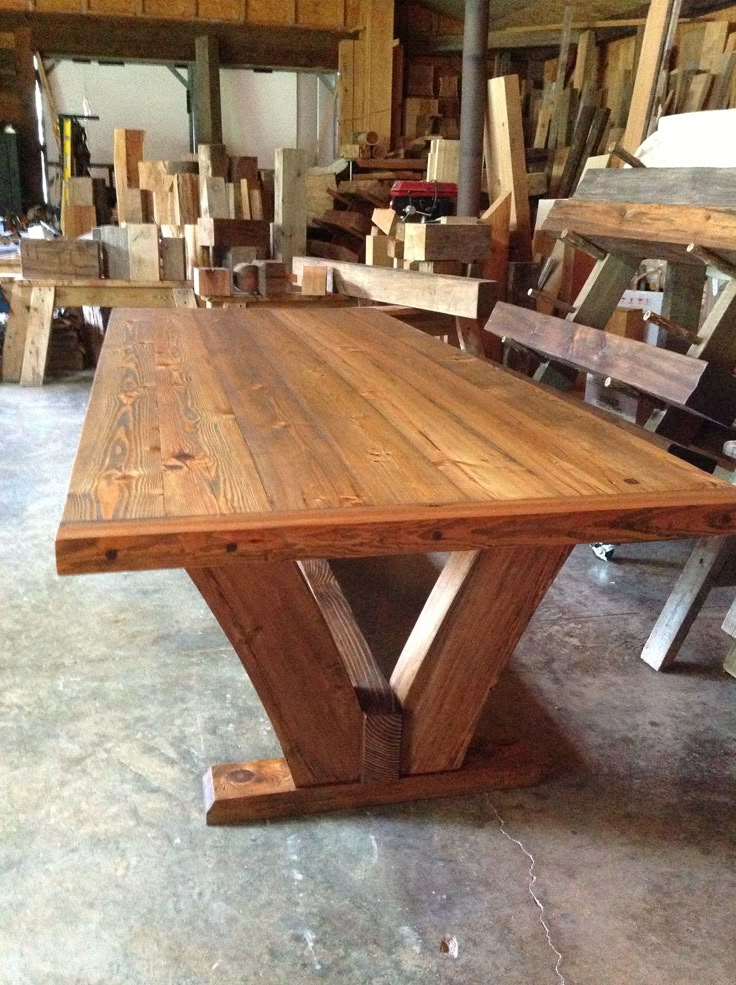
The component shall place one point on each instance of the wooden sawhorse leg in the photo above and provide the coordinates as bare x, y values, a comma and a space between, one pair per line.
703, 570
729, 627
350, 737
38, 336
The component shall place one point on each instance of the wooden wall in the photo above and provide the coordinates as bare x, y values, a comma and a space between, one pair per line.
301, 13
366, 71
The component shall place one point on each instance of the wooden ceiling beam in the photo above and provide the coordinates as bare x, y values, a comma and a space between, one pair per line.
145, 39
542, 36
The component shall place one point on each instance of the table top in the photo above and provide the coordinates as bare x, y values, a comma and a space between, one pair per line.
214, 436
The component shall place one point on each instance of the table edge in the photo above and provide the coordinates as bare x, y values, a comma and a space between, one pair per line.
97, 546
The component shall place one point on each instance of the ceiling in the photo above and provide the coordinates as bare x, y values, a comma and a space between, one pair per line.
511, 13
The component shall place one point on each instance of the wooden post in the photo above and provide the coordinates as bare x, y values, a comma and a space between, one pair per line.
38, 335
290, 210
505, 163
206, 95
127, 155
656, 44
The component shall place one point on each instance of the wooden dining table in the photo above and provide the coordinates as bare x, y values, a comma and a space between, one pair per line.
252, 447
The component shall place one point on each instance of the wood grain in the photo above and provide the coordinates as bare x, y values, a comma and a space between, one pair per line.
464, 637
382, 719
38, 335
691, 384
65, 257
290, 208
270, 617
16, 329
321, 433
224, 233
655, 47
505, 162
639, 229
466, 243
708, 187
685, 601
143, 252
445, 293
252, 791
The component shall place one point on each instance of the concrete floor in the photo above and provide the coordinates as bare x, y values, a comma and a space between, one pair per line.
116, 693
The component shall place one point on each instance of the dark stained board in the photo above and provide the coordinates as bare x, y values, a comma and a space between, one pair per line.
677, 379
225, 233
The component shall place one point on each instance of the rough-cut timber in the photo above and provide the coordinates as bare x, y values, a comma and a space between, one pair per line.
634, 229
445, 293
60, 258
225, 233
682, 381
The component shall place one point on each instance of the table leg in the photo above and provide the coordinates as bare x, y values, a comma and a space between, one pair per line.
350, 738
464, 637
16, 329
38, 336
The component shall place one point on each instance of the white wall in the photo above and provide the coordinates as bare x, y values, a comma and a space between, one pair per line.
137, 97
260, 110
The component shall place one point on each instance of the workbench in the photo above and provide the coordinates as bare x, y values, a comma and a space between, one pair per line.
248, 447
32, 305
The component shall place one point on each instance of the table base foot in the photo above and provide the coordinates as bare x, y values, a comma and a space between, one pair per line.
261, 789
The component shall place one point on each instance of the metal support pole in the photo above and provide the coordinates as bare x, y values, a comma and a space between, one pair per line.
473, 107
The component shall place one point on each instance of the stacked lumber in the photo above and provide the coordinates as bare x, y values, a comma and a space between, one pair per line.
83, 205
339, 231
384, 246
67, 352
364, 145
272, 278
431, 104
453, 245
174, 216
601, 95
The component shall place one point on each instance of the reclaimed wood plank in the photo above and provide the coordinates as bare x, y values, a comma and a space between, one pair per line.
445, 293
707, 187
640, 229
474, 617
60, 257
293, 663
691, 384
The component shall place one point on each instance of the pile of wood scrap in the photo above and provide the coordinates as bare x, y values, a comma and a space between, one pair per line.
75, 341
364, 145
67, 351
